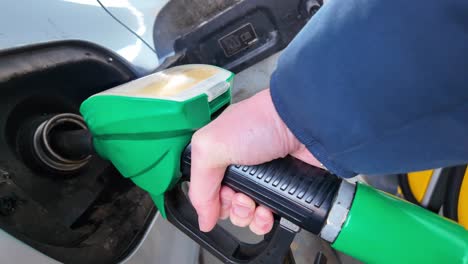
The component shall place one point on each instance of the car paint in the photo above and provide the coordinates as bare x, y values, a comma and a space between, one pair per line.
29, 22
15, 251
139, 16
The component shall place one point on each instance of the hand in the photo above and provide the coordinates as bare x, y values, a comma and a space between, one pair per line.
248, 133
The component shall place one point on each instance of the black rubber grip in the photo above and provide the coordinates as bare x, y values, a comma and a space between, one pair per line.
291, 188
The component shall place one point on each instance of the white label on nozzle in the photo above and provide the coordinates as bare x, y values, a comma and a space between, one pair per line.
212, 87
178, 84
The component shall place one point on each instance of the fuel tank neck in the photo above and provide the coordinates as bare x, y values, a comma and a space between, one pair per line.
61, 143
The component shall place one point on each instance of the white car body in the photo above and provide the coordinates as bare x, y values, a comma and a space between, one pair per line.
124, 27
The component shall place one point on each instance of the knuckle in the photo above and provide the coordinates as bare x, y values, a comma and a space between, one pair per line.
226, 193
201, 141
263, 213
243, 200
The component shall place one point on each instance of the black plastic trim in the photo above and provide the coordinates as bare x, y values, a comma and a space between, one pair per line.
273, 22
452, 194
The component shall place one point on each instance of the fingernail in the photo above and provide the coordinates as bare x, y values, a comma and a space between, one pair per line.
242, 211
202, 224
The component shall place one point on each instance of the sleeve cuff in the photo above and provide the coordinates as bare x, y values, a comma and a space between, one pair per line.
314, 146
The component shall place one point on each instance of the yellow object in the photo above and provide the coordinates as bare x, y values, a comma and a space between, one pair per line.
463, 202
418, 182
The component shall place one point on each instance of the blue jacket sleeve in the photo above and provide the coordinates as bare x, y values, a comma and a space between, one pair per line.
377, 87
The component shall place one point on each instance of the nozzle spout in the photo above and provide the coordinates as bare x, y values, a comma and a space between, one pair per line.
73, 144
59, 143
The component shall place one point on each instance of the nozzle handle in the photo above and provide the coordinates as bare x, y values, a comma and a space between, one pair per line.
291, 188
273, 249
299, 194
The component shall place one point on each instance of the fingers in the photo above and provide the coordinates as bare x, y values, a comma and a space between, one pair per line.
262, 222
242, 210
227, 195
242, 134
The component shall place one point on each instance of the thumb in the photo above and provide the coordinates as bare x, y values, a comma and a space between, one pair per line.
205, 182
304, 154
206, 197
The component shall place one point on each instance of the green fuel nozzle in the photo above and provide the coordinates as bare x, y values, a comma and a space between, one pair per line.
144, 125
144, 128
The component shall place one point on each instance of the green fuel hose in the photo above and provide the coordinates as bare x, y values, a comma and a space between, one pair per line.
381, 228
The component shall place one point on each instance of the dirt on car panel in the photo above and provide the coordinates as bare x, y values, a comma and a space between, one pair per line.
195, 12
